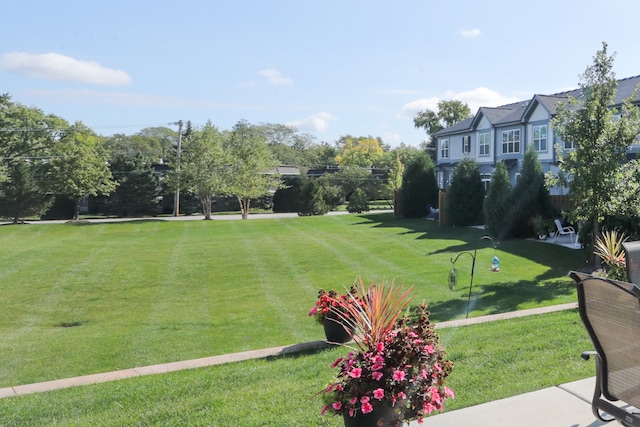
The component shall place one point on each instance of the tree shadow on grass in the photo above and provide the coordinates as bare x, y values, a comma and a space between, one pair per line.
498, 298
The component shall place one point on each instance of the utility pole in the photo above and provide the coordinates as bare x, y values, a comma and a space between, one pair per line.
176, 198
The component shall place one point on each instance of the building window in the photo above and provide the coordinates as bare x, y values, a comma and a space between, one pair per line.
511, 141
540, 138
444, 149
486, 180
569, 145
466, 144
484, 144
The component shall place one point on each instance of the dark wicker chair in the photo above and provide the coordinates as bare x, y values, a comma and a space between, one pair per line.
632, 258
610, 311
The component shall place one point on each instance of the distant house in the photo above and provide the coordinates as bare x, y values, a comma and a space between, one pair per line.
504, 133
377, 173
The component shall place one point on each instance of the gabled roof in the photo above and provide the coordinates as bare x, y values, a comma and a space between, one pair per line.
549, 102
458, 127
626, 88
284, 170
520, 111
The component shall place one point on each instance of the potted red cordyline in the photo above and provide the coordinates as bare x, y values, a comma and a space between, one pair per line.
396, 371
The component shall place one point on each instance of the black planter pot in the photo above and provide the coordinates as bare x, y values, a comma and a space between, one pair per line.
382, 416
335, 331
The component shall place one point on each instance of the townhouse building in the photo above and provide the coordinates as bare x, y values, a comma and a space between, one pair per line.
504, 133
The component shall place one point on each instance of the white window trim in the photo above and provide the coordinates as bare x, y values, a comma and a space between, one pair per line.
444, 148
546, 138
511, 143
481, 144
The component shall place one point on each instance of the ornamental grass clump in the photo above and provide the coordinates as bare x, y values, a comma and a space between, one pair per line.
608, 247
397, 364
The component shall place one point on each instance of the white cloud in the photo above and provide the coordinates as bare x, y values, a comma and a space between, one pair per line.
410, 110
316, 123
476, 98
391, 138
481, 97
55, 66
471, 34
274, 77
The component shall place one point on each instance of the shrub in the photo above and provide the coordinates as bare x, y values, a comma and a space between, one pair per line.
359, 202
287, 199
311, 199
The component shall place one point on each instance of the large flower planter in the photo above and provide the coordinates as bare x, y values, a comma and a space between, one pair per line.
335, 331
382, 416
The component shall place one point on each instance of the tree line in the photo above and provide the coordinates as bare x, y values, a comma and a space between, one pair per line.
49, 166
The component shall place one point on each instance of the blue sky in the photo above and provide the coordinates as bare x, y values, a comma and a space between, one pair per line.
331, 68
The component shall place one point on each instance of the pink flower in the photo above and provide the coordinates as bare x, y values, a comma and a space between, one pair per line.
449, 393
402, 396
377, 367
376, 375
313, 311
378, 393
398, 375
355, 372
337, 362
377, 359
353, 400
435, 395
428, 408
429, 349
336, 406
366, 408
364, 399
380, 347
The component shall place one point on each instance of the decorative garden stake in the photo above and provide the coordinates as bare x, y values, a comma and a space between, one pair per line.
453, 274
495, 263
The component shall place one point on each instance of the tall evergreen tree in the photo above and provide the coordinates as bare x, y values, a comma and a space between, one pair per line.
419, 187
465, 194
529, 197
497, 203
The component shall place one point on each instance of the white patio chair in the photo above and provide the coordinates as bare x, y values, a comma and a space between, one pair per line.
568, 230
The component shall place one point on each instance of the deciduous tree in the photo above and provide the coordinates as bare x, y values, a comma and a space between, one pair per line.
203, 166
79, 167
449, 113
361, 151
251, 169
601, 135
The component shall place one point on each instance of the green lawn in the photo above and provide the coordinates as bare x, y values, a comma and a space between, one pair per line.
492, 360
81, 299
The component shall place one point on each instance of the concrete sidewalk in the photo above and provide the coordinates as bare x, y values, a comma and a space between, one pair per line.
566, 405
